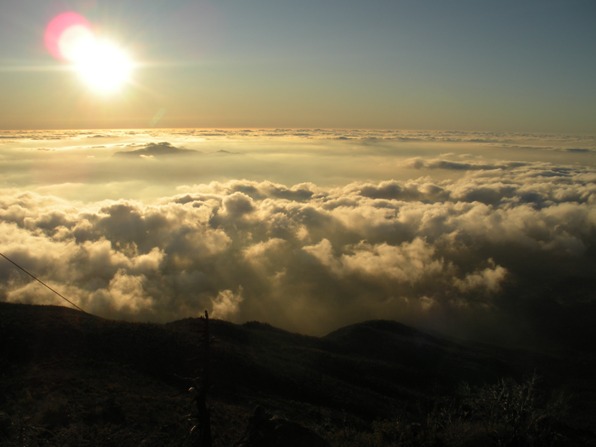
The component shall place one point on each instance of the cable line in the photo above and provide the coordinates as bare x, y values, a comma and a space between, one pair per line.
41, 282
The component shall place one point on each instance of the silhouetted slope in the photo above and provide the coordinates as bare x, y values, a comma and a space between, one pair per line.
32, 334
163, 149
423, 357
66, 376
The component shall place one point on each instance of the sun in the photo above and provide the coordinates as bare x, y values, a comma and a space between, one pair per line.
101, 64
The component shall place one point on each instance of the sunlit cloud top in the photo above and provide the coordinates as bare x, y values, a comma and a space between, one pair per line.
482, 235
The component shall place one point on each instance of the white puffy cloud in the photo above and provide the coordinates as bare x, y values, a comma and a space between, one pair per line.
485, 280
490, 250
225, 304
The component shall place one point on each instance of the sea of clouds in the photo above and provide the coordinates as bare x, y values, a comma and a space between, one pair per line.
486, 236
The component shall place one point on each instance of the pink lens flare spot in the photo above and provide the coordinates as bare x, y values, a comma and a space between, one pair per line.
62, 31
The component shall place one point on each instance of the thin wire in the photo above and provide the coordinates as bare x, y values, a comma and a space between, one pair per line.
41, 282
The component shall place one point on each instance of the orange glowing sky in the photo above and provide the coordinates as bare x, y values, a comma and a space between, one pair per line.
382, 64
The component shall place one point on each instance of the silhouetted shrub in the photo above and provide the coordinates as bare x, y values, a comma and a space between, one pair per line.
506, 413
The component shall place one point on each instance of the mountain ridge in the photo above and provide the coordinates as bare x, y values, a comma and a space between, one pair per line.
68, 361
156, 150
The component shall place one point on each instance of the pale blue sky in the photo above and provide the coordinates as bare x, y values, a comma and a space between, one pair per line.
461, 64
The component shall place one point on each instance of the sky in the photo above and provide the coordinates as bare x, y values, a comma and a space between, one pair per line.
399, 64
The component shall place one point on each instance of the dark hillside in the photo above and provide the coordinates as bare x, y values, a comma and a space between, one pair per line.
69, 378
426, 357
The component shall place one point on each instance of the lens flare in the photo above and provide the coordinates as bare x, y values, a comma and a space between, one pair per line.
61, 32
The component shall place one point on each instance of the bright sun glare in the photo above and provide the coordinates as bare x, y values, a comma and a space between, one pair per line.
101, 64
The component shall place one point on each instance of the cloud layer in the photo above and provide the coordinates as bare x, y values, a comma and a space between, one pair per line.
503, 251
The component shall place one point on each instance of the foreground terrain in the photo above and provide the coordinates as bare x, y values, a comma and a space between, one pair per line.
73, 379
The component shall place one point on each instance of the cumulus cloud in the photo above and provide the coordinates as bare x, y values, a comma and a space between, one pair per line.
237, 204
502, 251
488, 280
225, 304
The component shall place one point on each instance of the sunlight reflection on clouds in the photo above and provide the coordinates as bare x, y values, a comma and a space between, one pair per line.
466, 237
